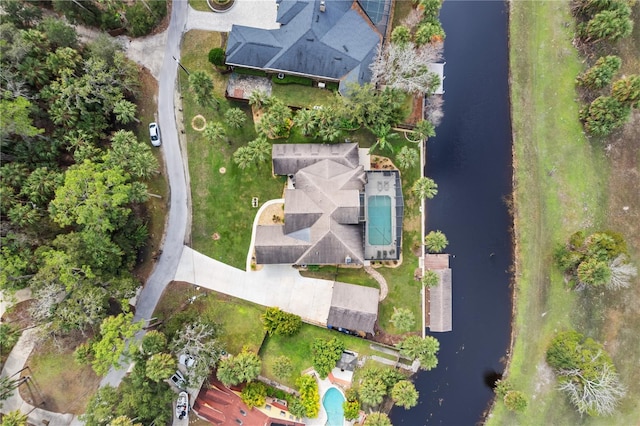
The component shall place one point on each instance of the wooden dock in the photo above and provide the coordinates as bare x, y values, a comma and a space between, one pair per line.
438, 299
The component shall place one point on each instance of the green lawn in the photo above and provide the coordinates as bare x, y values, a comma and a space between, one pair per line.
346, 275
239, 320
403, 289
561, 182
222, 210
298, 349
301, 96
65, 385
200, 5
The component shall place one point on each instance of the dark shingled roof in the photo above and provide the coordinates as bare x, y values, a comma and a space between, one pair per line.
353, 307
335, 44
289, 158
322, 213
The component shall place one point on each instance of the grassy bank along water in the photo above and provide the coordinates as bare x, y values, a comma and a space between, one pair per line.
561, 185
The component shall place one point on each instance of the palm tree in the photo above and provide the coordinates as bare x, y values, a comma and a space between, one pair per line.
235, 118
436, 241
260, 149
407, 157
384, 135
404, 394
258, 99
214, 132
430, 278
402, 319
125, 111
377, 419
243, 157
425, 188
202, 87
425, 129
304, 119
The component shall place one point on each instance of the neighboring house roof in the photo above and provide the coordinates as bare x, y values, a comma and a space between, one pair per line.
289, 158
353, 307
335, 44
322, 213
223, 407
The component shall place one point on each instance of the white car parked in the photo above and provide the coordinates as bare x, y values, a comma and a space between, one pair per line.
154, 134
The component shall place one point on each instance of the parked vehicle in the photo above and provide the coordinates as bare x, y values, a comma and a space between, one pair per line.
178, 380
154, 134
182, 405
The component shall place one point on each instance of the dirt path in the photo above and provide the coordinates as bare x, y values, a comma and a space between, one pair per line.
145, 51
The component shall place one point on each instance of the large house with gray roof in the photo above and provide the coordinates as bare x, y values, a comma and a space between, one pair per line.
336, 211
325, 40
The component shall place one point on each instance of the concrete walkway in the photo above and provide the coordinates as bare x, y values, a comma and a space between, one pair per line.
273, 285
7, 301
384, 288
15, 362
253, 229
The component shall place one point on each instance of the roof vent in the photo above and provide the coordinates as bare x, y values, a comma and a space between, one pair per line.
323, 6
347, 260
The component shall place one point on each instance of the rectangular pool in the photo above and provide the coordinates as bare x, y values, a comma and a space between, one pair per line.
379, 220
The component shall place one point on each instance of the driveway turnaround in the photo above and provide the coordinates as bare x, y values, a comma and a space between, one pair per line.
251, 13
273, 285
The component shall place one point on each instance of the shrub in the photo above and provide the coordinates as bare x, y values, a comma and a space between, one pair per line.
611, 25
351, 409
604, 115
217, 57
309, 395
515, 401
254, 394
281, 323
400, 35
600, 75
325, 355
429, 32
627, 91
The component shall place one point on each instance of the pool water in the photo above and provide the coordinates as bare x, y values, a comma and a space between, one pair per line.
332, 402
379, 220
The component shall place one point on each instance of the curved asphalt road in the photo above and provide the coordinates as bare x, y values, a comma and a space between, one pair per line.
167, 264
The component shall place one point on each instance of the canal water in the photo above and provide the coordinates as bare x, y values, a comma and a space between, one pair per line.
470, 160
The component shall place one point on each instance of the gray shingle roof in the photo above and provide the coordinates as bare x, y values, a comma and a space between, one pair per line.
322, 211
353, 307
276, 247
289, 158
328, 45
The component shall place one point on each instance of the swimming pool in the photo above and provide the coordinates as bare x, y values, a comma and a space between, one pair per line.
332, 402
379, 220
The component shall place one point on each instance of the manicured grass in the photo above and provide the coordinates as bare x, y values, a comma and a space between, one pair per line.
301, 96
298, 349
404, 291
239, 320
65, 385
346, 275
222, 211
561, 186
200, 5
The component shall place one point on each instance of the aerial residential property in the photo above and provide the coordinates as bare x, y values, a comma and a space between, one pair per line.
336, 211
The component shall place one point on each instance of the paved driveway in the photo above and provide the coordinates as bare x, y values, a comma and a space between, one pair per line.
273, 285
251, 13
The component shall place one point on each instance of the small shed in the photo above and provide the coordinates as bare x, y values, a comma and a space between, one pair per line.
353, 307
